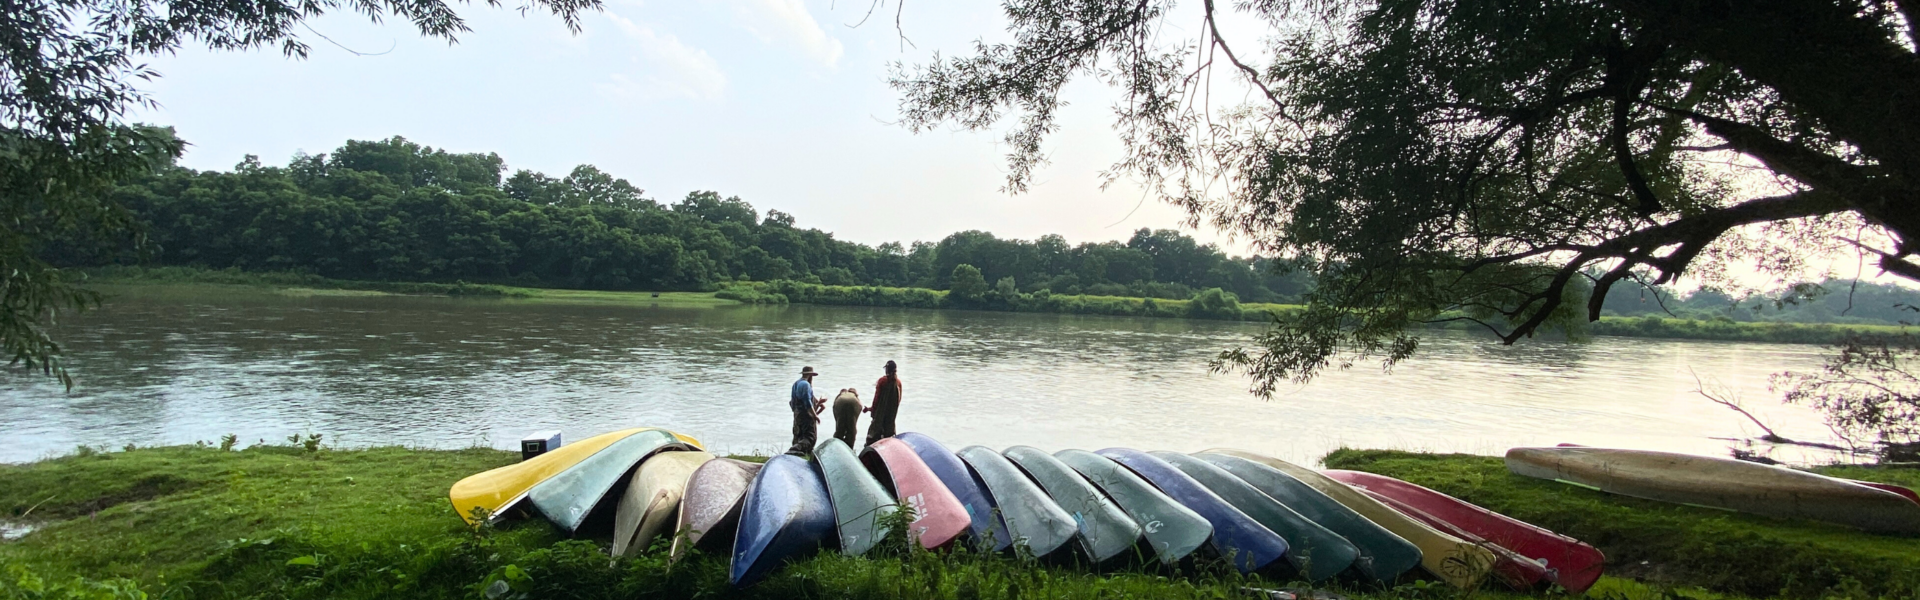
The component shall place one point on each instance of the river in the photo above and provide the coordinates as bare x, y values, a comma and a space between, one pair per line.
177, 368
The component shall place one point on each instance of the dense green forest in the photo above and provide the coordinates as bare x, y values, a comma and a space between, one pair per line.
394, 210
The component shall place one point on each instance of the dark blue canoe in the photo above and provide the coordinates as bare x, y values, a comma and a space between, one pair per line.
786, 515
1383, 555
1246, 543
1314, 551
987, 524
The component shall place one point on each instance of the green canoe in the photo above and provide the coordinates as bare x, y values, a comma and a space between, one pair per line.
1314, 551
1105, 530
568, 497
858, 499
1383, 555
1173, 530
1035, 521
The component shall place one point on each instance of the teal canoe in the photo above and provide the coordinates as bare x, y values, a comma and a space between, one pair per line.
1315, 552
859, 501
1106, 532
1038, 525
1174, 531
567, 498
1383, 555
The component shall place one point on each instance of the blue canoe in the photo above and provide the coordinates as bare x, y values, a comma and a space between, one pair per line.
1038, 525
1383, 555
1315, 552
1246, 543
987, 524
787, 514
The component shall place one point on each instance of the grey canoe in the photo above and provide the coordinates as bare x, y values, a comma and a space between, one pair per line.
859, 501
1174, 531
1106, 531
1316, 552
1383, 555
567, 498
1035, 521
710, 508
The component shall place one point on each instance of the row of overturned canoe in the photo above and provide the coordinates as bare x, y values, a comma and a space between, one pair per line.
1106, 509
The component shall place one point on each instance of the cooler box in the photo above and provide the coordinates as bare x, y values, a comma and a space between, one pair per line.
536, 444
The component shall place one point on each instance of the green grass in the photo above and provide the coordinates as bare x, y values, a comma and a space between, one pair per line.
284, 522
1668, 543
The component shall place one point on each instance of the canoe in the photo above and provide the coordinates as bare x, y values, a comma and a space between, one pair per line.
1721, 483
1904, 492
1106, 531
1036, 525
1568, 562
568, 497
652, 499
938, 517
1315, 552
1173, 530
858, 499
1383, 555
1509, 568
710, 510
984, 518
1244, 542
495, 492
1456, 561
786, 515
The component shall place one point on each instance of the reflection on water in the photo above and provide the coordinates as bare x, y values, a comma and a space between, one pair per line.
448, 373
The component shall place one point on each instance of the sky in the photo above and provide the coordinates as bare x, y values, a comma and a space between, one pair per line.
780, 102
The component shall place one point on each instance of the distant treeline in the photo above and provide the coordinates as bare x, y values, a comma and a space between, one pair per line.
394, 210
970, 292
1839, 301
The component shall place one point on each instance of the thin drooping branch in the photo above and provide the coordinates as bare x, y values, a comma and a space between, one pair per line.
1253, 76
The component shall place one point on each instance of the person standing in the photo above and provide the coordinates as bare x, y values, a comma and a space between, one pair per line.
846, 416
806, 413
886, 405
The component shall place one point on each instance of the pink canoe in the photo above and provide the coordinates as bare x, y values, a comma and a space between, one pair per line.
939, 518
1565, 561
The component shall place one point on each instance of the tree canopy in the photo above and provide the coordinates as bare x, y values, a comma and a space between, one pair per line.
1505, 162
69, 69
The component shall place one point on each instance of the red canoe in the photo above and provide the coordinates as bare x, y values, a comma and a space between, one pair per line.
939, 516
1516, 571
1566, 561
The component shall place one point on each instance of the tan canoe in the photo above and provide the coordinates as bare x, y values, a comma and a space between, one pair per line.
652, 500
1458, 562
1721, 483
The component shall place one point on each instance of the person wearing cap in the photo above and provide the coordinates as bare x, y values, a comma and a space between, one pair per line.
806, 413
886, 405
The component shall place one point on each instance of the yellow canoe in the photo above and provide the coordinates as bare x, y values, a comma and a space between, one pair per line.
652, 499
1458, 562
491, 493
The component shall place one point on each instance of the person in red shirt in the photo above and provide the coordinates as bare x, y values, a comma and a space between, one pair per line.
886, 405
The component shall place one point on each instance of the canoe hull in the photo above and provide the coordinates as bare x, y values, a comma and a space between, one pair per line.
984, 520
1568, 562
1106, 532
651, 502
1170, 528
1315, 552
494, 493
1383, 555
939, 518
786, 515
859, 501
710, 509
1247, 544
1038, 526
1456, 561
568, 497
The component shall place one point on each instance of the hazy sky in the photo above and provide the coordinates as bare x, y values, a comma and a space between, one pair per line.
779, 102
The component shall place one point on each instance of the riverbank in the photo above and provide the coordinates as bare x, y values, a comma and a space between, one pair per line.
290, 522
1208, 305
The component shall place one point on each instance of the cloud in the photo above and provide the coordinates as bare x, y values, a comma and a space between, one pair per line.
670, 68
788, 22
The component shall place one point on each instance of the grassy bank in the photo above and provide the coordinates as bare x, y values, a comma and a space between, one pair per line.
288, 522
1669, 543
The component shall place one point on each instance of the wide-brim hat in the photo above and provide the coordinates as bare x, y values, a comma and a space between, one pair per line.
805, 371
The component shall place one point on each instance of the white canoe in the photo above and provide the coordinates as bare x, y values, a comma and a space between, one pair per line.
1721, 483
652, 500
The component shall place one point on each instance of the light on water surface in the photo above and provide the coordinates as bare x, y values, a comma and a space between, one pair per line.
452, 373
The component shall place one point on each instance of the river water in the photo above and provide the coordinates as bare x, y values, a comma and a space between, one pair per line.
437, 372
